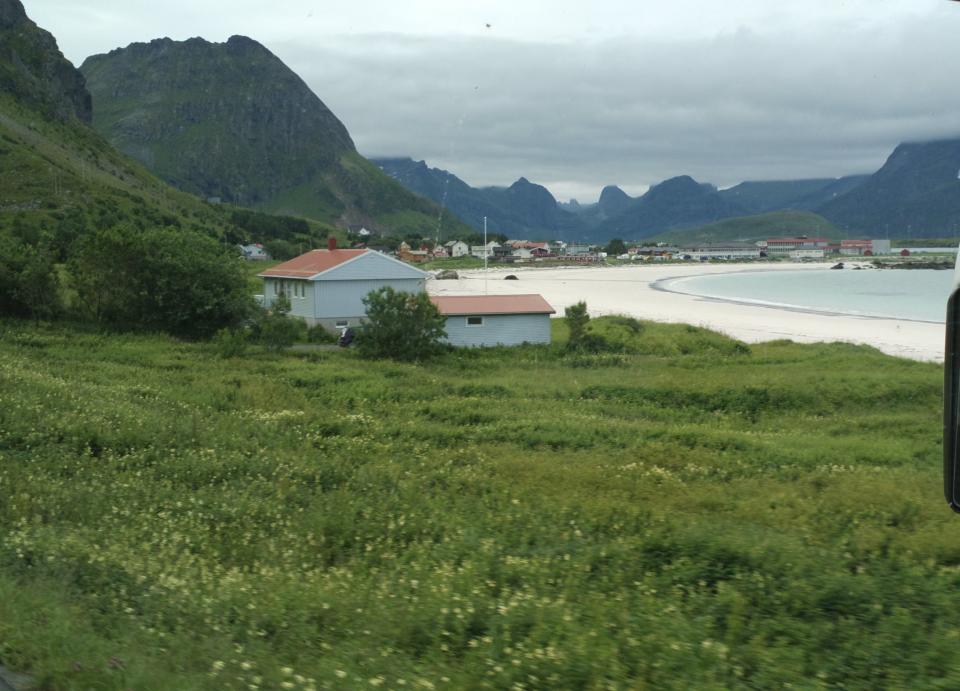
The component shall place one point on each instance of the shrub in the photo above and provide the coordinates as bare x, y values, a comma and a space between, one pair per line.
318, 334
402, 326
577, 319
161, 279
229, 343
277, 330
29, 285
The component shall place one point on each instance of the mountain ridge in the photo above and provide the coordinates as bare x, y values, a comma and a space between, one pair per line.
231, 120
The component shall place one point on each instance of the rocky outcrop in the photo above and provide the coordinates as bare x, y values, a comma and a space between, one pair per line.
34, 71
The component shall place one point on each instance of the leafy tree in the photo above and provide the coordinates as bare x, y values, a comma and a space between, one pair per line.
281, 249
29, 283
161, 279
402, 326
577, 319
616, 247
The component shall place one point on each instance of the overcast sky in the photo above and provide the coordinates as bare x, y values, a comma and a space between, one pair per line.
577, 95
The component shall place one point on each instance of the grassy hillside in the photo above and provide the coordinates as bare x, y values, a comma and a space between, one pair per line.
687, 513
51, 171
759, 227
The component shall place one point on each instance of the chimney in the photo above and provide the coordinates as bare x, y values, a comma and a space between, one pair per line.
332, 243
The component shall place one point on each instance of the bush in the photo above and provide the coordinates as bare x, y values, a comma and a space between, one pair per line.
29, 286
162, 279
276, 329
229, 343
402, 326
577, 319
318, 334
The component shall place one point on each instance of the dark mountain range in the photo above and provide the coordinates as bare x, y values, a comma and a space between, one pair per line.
524, 209
232, 121
757, 197
679, 202
817, 198
915, 194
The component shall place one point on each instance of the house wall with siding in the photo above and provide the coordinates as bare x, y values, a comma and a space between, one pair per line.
299, 306
499, 329
338, 294
333, 299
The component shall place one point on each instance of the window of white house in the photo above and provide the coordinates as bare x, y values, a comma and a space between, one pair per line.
474, 321
343, 322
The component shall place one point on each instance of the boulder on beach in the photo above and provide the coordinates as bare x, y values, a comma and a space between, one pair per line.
448, 275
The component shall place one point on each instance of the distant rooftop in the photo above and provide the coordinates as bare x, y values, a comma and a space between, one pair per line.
450, 305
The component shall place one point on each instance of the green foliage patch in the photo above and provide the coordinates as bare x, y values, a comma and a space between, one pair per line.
704, 516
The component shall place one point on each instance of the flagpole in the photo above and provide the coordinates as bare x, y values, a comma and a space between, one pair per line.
486, 253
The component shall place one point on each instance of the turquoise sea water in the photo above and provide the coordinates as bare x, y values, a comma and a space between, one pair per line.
915, 294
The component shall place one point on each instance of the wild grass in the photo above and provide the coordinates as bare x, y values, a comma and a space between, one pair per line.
685, 512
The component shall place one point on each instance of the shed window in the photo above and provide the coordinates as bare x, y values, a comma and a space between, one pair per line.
474, 321
343, 322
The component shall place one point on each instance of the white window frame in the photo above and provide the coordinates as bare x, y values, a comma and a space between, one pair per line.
342, 323
475, 316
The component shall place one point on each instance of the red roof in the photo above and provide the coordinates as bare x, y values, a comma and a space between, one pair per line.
491, 304
311, 263
797, 240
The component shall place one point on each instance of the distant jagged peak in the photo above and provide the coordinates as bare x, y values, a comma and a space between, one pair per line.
532, 190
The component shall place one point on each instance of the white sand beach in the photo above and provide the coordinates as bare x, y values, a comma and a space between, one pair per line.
628, 290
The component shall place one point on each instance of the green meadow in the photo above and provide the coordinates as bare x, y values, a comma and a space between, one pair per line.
682, 511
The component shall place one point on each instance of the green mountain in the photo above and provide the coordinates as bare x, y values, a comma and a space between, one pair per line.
755, 227
915, 194
58, 177
522, 210
232, 121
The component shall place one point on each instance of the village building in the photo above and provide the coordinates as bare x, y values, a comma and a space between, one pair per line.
457, 248
253, 253
491, 320
784, 246
481, 251
413, 256
807, 254
864, 248
327, 287
722, 250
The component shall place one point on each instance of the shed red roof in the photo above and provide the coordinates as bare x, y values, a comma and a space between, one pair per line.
311, 263
491, 304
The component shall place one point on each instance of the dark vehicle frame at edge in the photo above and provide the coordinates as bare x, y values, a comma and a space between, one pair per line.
951, 399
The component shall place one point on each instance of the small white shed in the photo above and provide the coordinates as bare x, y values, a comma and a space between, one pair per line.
491, 320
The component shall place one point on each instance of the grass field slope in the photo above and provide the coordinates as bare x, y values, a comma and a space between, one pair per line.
682, 511
757, 227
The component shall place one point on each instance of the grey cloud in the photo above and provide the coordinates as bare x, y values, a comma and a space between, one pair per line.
735, 107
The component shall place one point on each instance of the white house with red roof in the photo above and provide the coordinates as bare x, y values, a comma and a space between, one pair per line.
491, 320
327, 287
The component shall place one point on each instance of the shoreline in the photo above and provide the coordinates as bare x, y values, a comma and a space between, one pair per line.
638, 291
664, 285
